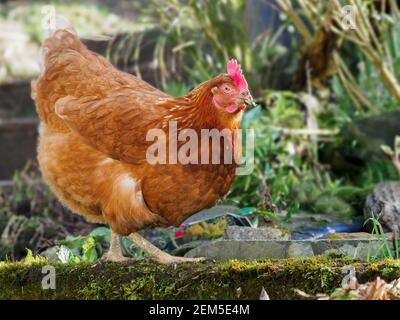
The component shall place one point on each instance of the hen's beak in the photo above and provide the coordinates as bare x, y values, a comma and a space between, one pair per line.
247, 102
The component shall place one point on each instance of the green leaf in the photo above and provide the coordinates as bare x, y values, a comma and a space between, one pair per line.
100, 231
90, 255
245, 211
64, 254
89, 250
293, 208
72, 242
270, 214
101, 234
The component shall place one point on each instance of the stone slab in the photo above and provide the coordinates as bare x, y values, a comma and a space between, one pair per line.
279, 249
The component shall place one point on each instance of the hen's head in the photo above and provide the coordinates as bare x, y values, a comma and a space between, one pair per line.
232, 94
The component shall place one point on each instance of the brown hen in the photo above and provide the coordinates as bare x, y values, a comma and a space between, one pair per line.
93, 149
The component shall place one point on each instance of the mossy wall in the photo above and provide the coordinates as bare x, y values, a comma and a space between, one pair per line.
223, 280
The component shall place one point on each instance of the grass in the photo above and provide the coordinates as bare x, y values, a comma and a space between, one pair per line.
385, 249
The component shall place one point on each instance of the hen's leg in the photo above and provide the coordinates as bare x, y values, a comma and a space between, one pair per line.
114, 254
157, 254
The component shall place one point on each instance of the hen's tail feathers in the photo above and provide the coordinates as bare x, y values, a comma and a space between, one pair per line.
55, 36
59, 39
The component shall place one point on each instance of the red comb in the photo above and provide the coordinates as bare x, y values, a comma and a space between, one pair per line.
235, 72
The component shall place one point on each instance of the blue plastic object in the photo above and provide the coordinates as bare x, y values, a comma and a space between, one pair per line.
317, 232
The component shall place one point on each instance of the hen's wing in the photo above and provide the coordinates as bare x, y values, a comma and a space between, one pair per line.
70, 69
116, 125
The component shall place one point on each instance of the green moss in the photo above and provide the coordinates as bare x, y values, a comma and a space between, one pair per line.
211, 280
386, 269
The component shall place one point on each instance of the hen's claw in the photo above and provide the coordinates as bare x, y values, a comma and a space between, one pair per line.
110, 257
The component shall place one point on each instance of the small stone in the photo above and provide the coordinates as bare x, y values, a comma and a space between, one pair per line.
254, 234
383, 204
50, 253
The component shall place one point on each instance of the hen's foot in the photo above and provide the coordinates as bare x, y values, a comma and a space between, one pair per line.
158, 255
114, 254
111, 257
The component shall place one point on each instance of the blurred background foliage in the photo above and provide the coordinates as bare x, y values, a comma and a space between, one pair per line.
193, 40
22, 31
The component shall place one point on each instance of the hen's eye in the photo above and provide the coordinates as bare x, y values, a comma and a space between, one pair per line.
227, 89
